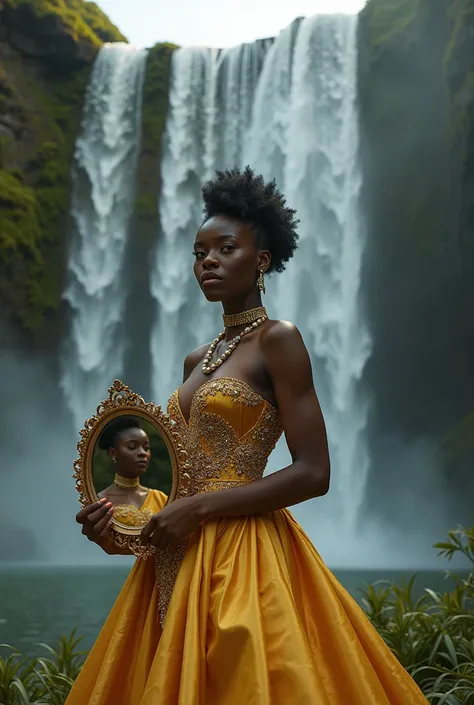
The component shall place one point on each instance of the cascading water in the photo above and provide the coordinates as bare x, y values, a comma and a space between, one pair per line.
102, 199
314, 156
292, 117
205, 130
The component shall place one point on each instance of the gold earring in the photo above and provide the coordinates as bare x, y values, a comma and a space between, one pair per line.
261, 281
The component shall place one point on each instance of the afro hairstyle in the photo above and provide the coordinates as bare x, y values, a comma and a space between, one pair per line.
114, 428
245, 196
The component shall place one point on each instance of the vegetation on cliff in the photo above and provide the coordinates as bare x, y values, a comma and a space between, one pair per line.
386, 18
46, 51
154, 111
41, 115
71, 29
145, 221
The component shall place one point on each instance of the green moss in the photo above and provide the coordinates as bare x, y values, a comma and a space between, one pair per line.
32, 270
6, 142
154, 111
387, 18
81, 20
461, 13
42, 97
145, 207
100, 23
19, 220
155, 93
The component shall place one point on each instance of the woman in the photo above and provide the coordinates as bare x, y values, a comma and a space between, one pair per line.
128, 447
248, 612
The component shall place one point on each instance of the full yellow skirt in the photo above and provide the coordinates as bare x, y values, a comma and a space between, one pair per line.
256, 618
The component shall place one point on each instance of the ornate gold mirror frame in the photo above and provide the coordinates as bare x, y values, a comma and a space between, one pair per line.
122, 401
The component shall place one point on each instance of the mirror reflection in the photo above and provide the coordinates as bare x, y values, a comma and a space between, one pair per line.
132, 468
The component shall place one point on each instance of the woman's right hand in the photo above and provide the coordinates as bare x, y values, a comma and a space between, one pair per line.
96, 520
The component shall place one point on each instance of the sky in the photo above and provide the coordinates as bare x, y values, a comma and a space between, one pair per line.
213, 23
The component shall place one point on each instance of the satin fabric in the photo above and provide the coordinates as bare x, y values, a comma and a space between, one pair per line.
155, 500
255, 616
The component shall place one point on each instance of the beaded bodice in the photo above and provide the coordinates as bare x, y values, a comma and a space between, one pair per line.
230, 434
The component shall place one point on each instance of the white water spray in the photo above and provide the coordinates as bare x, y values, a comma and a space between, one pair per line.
102, 199
314, 155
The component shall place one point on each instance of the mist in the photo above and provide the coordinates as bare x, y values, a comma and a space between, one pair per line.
397, 528
39, 501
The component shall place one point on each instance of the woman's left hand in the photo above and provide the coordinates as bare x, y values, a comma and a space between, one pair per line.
173, 523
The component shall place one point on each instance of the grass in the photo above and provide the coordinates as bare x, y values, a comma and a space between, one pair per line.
45, 680
432, 636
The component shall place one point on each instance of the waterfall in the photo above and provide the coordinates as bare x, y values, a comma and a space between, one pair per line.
102, 199
287, 108
205, 129
312, 148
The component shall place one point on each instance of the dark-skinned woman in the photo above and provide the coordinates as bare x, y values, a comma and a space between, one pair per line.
238, 606
128, 448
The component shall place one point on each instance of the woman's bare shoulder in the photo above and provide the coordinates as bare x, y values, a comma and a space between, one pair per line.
193, 359
277, 331
282, 345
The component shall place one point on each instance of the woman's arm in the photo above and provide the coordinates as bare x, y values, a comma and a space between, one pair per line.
308, 475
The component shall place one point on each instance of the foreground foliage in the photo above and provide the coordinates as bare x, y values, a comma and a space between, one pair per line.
45, 680
432, 636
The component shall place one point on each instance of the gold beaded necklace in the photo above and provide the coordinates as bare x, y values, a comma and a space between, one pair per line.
255, 318
126, 483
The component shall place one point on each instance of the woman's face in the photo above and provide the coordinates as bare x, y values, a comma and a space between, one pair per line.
227, 259
131, 452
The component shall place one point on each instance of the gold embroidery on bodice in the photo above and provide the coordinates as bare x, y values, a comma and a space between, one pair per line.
131, 516
231, 432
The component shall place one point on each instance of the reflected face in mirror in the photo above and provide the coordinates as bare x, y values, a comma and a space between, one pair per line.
132, 469
130, 451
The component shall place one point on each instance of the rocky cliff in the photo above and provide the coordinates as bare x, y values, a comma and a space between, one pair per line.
47, 48
416, 80
46, 52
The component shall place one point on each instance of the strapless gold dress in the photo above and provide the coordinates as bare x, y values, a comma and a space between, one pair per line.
132, 516
251, 615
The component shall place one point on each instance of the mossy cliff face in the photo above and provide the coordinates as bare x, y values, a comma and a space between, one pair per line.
416, 82
145, 222
70, 31
154, 111
458, 444
46, 51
